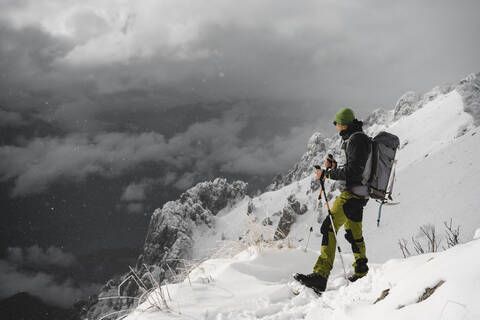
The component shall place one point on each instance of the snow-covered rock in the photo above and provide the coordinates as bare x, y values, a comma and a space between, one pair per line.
288, 217
319, 146
477, 234
469, 89
437, 178
316, 150
169, 239
411, 101
406, 105
377, 117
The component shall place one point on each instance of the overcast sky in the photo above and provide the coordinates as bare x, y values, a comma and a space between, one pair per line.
252, 79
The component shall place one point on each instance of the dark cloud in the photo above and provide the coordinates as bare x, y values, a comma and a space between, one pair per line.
16, 275
42, 285
250, 81
35, 256
329, 53
10, 119
43, 160
100, 66
203, 146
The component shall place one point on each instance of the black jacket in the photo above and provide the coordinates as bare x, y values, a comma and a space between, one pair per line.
356, 153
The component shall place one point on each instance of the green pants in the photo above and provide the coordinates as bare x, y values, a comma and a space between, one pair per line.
347, 210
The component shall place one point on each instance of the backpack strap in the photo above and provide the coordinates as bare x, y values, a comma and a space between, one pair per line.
353, 134
367, 170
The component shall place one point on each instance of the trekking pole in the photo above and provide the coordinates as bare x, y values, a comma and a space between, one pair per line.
331, 220
313, 221
315, 212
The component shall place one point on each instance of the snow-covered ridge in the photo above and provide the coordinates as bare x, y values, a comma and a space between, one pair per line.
437, 176
170, 238
380, 119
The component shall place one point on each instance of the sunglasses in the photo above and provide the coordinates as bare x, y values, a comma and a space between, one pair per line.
334, 123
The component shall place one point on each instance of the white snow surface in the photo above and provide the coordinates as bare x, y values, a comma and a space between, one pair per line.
258, 285
436, 180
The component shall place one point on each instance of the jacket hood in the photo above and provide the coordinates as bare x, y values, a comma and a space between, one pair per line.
354, 126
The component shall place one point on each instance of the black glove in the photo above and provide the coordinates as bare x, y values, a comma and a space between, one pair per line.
330, 162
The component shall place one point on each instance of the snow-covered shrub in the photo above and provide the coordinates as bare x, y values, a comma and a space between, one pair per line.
429, 241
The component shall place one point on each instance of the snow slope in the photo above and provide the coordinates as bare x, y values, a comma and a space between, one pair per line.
258, 285
436, 181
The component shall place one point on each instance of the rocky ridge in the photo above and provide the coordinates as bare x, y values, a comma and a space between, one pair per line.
319, 146
169, 240
169, 236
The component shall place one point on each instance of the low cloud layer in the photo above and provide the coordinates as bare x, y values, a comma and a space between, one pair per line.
16, 276
42, 161
42, 285
35, 256
134, 192
10, 118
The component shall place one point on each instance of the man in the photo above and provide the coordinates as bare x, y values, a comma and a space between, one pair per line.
347, 210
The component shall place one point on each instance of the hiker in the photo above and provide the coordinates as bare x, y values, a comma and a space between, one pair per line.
347, 209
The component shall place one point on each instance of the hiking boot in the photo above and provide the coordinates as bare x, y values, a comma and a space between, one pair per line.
355, 277
315, 281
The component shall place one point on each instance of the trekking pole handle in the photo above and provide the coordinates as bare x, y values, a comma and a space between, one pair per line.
320, 168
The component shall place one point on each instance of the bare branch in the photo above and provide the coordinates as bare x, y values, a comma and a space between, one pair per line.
417, 246
451, 234
404, 247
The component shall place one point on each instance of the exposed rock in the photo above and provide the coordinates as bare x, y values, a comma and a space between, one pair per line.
169, 240
429, 291
435, 92
250, 207
314, 185
383, 295
378, 116
319, 146
289, 213
267, 221
170, 232
411, 101
406, 105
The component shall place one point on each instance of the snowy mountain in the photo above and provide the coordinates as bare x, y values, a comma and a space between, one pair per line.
214, 253
170, 239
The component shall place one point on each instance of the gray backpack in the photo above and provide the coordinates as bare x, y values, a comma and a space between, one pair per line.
379, 171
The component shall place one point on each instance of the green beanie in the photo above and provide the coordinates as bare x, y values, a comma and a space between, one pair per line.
344, 116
